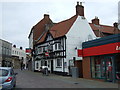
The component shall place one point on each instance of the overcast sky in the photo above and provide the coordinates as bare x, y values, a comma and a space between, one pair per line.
17, 18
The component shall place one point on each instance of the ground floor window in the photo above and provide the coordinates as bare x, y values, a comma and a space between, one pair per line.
59, 62
98, 67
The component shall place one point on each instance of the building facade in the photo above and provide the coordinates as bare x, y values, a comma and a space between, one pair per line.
59, 45
101, 58
5, 53
18, 56
36, 32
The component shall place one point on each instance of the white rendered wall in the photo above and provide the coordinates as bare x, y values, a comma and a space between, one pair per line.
78, 33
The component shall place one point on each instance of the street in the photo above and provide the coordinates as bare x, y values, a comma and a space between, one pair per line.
29, 79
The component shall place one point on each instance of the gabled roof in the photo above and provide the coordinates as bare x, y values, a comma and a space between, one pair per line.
102, 28
61, 28
39, 28
42, 38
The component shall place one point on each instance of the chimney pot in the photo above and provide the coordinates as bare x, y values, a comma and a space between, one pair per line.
80, 3
79, 9
95, 20
21, 48
46, 16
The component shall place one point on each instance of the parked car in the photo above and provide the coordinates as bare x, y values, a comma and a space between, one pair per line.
7, 78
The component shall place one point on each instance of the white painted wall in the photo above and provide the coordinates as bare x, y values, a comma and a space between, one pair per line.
78, 33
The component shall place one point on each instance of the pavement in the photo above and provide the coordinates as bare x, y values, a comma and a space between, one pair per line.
29, 79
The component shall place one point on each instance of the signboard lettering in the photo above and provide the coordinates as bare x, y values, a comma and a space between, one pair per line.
117, 47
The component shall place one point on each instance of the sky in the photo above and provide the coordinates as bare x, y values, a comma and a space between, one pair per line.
19, 16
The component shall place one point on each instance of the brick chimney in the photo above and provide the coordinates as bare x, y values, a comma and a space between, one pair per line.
79, 9
46, 16
95, 21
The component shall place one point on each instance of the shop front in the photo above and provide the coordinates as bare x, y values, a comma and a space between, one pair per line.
101, 58
105, 67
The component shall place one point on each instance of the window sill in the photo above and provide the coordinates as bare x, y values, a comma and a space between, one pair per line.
58, 67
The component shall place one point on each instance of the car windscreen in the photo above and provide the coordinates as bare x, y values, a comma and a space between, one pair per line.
3, 72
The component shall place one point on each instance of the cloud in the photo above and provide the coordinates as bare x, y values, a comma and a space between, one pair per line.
18, 17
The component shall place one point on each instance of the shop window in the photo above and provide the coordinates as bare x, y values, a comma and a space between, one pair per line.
102, 67
97, 67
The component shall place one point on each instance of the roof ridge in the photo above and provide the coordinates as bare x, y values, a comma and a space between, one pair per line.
103, 25
67, 19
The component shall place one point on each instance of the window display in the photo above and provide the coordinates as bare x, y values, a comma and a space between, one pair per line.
102, 67
106, 67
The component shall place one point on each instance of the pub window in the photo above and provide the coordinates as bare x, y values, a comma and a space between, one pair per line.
59, 45
37, 65
59, 62
56, 46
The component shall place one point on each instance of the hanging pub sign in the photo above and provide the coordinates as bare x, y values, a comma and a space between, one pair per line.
28, 50
46, 53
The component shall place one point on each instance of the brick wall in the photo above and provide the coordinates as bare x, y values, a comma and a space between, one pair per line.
86, 68
80, 67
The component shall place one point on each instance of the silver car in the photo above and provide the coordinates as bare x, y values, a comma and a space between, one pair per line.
7, 78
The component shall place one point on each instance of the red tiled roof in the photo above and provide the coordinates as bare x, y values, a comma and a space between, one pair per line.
39, 28
42, 38
61, 28
103, 28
